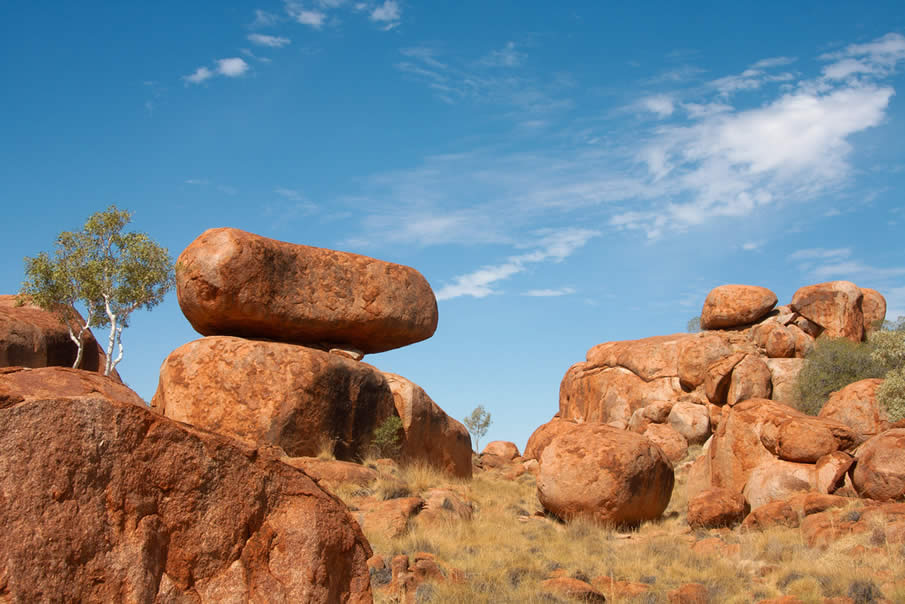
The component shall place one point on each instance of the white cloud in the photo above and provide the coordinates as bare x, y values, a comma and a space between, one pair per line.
700, 110
388, 13
232, 67
773, 62
553, 246
264, 19
661, 105
270, 41
507, 56
200, 75
751, 246
819, 253
311, 18
856, 271
549, 293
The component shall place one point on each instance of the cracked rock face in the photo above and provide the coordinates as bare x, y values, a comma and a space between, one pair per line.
104, 501
230, 282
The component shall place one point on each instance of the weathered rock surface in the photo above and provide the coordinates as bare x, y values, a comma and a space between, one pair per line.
718, 378
19, 384
856, 406
777, 480
830, 471
502, 448
696, 354
390, 518
757, 432
784, 379
543, 435
715, 508
873, 307
776, 340
114, 503
735, 305
331, 473
654, 413
273, 393
33, 337
691, 421
671, 442
235, 283
880, 466
751, 378
603, 473
620, 377
835, 306
431, 435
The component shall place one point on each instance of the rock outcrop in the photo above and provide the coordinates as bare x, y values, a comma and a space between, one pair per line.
235, 283
856, 406
272, 393
33, 337
605, 474
431, 435
115, 503
835, 306
880, 467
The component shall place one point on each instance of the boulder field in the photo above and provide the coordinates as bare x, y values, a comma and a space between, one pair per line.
731, 387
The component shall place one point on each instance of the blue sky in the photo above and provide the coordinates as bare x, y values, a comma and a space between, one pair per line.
563, 175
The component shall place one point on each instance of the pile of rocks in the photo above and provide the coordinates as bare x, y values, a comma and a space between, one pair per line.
735, 380
287, 327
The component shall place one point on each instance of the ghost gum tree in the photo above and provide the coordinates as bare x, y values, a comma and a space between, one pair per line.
108, 273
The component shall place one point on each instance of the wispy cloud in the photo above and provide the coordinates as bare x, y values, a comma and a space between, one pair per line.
553, 246
232, 67
269, 41
660, 104
507, 56
549, 293
311, 17
264, 19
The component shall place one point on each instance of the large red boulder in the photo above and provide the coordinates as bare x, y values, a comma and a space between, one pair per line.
619, 378
735, 305
873, 307
33, 337
835, 306
544, 435
230, 282
880, 466
104, 501
431, 436
696, 354
19, 384
273, 393
715, 508
757, 432
751, 378
856, 406
605, 474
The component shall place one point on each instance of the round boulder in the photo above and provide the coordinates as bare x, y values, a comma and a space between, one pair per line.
835, 306
873, 307
716, 508
604, 474
734, 305
502, 448
880, 466
856, 406
691, 421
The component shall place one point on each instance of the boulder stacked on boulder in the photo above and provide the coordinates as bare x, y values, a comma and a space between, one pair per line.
288, 325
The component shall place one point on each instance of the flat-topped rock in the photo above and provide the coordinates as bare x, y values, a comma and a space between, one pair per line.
230, 282
735, 305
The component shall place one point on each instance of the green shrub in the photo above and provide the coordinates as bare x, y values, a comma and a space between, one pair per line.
891, 394
833, 364
388, 437
889, 350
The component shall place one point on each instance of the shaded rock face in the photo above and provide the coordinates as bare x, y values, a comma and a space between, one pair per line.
734, 305
714, 508
33, 337
431, 435
856, 406
273, 393
835, 306
114, 503
758, 432
784, 378
873, 307
880, 467
605, 474
231, 282
19, 384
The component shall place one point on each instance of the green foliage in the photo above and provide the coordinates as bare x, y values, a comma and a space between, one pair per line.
107, 272
889, 350
693, 325
891, 394
388, 437
477, 424
833, 364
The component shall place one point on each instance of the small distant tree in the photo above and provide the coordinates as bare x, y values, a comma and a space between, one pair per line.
110, 274
477, 424
693, 325
388, 437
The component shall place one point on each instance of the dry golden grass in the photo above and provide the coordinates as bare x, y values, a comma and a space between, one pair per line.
506, 551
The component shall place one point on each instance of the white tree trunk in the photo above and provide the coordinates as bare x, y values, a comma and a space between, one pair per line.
79, 339
111, 340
